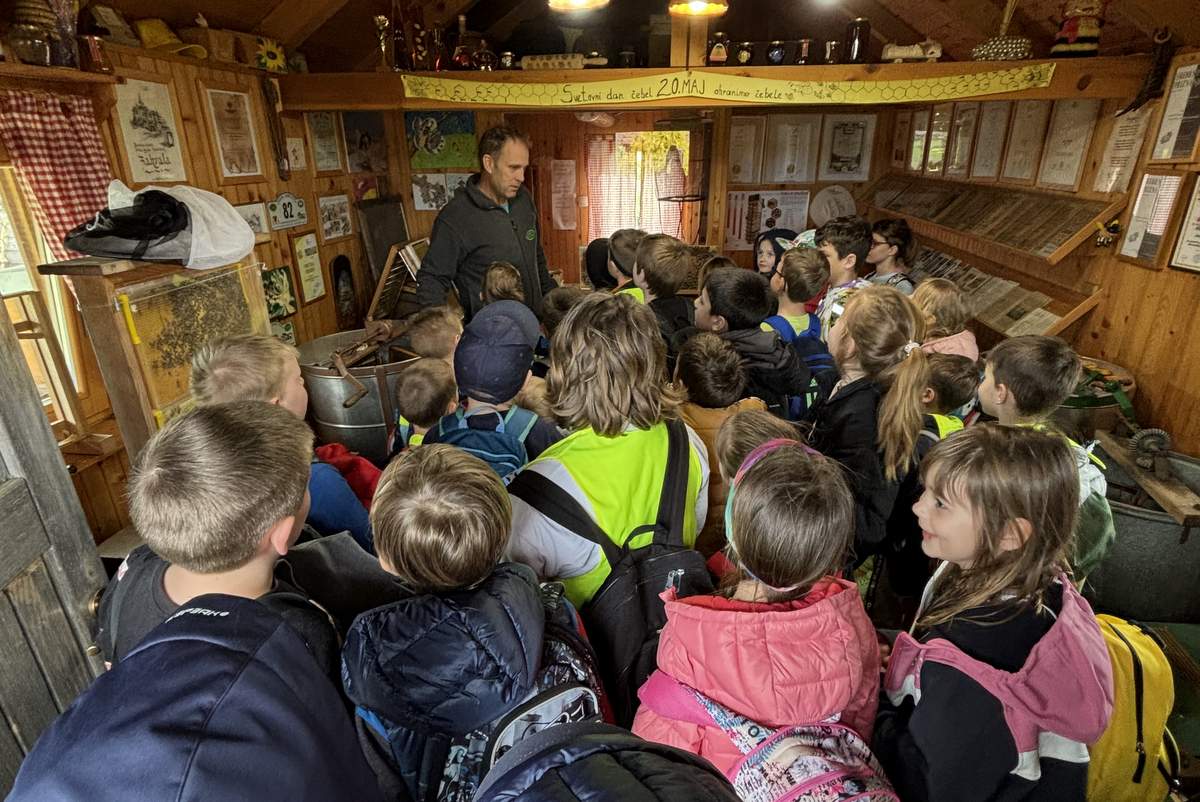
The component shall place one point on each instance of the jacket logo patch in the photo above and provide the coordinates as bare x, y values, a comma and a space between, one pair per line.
530, 234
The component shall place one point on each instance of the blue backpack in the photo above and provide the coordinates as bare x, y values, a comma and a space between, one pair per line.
503, 447
814, 353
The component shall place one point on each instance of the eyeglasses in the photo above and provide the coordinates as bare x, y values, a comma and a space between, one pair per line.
876, 242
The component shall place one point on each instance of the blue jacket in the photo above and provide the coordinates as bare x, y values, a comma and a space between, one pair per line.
335, 508
437, 665
222, 701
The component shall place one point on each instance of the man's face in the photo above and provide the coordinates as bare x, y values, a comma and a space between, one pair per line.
506, 172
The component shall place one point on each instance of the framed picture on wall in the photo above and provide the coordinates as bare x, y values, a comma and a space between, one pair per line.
990, 137
255, 215
366, 141
939, 138
323, 138
150, 129
846, 144
962, 140
1149, 225
234, 135
1178, 137
335, 217
1067, 142
901, 139
920, 140
1187, 247
791, 152
1025, 139
308, 266
746, 140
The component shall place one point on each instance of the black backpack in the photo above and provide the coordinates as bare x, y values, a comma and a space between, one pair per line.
625, 615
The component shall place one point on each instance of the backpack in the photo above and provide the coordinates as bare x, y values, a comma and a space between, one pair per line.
626, 613
804, 763
1136, 759
814, 354
567, 690
503, 447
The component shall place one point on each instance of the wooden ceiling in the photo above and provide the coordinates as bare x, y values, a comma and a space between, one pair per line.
339, 35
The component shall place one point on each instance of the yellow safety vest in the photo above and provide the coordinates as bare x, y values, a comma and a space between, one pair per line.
635, 291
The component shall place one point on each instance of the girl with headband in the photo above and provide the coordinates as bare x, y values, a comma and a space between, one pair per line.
784, 641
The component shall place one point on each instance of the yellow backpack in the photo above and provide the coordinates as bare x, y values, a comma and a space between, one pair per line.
1136, 759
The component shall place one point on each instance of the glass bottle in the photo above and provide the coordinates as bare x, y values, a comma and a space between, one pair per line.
439, 55
485, 58
401, 56
718, 50
463, 52
858, 38
806, 51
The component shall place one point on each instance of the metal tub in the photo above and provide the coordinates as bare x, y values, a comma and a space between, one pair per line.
362, 427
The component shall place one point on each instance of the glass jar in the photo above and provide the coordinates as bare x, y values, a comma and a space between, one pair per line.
485, 58
806, 51
776, 52
858, 39
718, 50
508, 61
833, 52
744, 55
29, 43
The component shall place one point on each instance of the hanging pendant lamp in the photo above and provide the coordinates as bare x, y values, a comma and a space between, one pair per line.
576, 5
697, 8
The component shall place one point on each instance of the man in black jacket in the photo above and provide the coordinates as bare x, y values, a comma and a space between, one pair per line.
492, 219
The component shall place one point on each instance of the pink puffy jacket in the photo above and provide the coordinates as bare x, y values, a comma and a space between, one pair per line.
777, 664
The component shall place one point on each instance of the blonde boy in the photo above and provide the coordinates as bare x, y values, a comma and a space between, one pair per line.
803, 273
425, 391
661, 266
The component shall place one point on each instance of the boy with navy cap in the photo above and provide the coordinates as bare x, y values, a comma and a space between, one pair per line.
492, 363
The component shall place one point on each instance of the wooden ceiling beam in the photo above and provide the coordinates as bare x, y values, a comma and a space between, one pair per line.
291, 23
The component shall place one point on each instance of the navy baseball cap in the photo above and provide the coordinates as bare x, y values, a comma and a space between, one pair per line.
496, 352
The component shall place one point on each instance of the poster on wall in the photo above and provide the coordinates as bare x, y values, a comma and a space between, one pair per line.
1187, 248
441, 140
277, 289
1179, 130
920, 138
308, 266
334, 211
962, 140
323, 134
846, 144
989, 140
749, 213
366, 141
1025, 139
255, 215
295, 153
1121, 151
1150, 217
791, 150
1067, 142
150, 131
429, 191
746, 139
233, 130
901, 139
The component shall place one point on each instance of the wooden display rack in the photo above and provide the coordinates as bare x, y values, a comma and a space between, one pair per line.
145, 321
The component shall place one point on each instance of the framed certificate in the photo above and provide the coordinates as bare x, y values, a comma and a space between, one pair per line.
901, 139
234, 135
746, 135
962, 140
1178, 137
989, 140
1026, 136
1187, 246
846, 144
1067, 141
939, 137
791, 151
920, 139
308, 266
1149, 223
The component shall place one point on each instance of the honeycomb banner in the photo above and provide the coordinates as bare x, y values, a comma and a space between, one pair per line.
703, 85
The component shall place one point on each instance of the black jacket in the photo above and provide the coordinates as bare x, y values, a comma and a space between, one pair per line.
470, 233
220, 702
845, 427
433, 666
601, 763
955, 744
774, 369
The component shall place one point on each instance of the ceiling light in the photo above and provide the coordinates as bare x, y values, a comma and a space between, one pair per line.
698, 8
576, 5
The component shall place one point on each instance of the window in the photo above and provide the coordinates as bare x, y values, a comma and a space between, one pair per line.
628, 176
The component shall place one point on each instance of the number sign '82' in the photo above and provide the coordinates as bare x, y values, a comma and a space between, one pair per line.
287, 211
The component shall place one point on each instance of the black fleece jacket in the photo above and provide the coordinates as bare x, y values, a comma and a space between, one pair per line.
470, 233
774, 370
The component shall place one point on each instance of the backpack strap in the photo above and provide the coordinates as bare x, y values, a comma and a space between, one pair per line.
557, 504
814, 327
520, 421
782, 327
670, 698
673, 499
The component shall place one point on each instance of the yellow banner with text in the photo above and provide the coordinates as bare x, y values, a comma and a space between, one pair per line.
719, 86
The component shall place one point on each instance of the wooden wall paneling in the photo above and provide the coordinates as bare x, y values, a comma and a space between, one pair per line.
40, 611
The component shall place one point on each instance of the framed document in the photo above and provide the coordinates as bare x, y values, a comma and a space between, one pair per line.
1179, 129
308, 266
235, 141
1148, 224
846, 144
939, 137
150, 129
962, 140
989, 140
791, 153
323, 136
1025, 139
1071, 125
920, 139
1187, 247
901, 139
1125, 140
746, 135
335, 217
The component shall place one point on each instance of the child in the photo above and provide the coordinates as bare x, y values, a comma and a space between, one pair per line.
556, 304
662, 264
491, 365
742, 433
260, 368
871, 421
711, 372
761, 646
219, 494
501, 282
1026, 379
892, 253
768, 250
947, 312
802, 276
425, 391
595, 263
1014, 677
733, 303
622, 254
462, 644
845, 241
711, 263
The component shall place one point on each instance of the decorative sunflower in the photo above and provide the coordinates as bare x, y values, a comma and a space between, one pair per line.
270, 56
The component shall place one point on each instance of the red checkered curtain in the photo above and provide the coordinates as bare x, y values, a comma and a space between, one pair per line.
55, 145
